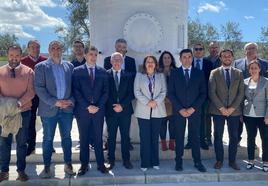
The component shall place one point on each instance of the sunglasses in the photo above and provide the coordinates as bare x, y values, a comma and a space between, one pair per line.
199, 49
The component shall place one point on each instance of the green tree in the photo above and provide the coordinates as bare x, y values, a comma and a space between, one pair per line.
5, 41
232, 37
263, 44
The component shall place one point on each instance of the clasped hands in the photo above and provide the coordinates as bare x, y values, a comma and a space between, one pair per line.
63, 104
152, 104
227, 111
187, 112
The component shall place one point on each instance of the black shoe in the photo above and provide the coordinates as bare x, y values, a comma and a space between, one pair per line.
130, 147
111, 165
30, 151
103, 169
209, 142
128, 165
204, 145
83, 169
200, 167
178, 167
187, 146
22, 176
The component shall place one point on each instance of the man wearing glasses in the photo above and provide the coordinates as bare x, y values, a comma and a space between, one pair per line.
200, 63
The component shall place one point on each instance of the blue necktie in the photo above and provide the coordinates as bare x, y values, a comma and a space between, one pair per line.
116, 80
227, 78
198, 64
186, 74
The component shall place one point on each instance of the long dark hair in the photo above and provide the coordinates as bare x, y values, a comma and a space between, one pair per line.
161, 62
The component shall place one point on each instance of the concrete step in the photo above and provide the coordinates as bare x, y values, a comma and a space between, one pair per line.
119, 175
135, 154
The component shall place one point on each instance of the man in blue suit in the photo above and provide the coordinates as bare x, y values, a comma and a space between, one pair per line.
187, 92
119, 109
90, 89
242, 64
53, 85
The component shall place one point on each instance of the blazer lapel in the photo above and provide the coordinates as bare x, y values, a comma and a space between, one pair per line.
122, 80
222, 78
181, 76
259, 86
67, 77
51, 74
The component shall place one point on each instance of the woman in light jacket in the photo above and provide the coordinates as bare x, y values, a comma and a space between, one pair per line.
256, 112
150, 92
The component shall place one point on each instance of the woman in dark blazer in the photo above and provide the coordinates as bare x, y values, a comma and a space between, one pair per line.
166, 64
150, 92
256, 112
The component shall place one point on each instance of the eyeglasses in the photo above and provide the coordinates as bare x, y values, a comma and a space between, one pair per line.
13, 73
198, 49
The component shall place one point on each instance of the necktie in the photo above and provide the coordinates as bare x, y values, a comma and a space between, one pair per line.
91, 75
227, 78
13, 73
198, 64
186, 74
116, 80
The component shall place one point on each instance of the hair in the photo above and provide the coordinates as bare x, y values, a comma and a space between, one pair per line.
121, 40
14, 47
214, 42
250, 43
254, 62
187, 50
161, 63
55, 42
90, 48
144, 70
33, 41
79, 42
226, 50
117, 53
198, 44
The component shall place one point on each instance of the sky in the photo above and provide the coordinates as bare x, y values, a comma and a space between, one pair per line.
38, 19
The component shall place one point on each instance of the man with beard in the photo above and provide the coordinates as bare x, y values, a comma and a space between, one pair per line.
16, 80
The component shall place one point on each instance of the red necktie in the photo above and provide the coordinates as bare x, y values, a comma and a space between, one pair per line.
91, 75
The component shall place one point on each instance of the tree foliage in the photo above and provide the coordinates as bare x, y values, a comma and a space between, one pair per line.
5, 41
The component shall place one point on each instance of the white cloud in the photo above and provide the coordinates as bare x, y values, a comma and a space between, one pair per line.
217, 7
265, 9
18, 15
249, 17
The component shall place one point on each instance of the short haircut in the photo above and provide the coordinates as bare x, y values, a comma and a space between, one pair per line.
226, 50
161, 62
90, 48
144, 63
199, 44
121, 40
250, 43
14, 47
214, 42
187, 50
79, 42
33, 41
55, 42
254, 62
117, 53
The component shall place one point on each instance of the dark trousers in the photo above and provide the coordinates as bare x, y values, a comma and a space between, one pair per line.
252, 125
240, 130
232, 123
193, 136
167, 122
32, 129
149, 141
90, 124
21, 140
123, 123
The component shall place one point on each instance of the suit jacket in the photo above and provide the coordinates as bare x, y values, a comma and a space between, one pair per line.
215, 64
123, 96
143, 95
45, 87
259, 100
130, 65
85, 94
221, 96
183, 95
241, 64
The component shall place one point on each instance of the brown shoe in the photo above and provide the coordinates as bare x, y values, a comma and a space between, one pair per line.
22, 176
234, 165
68, 169
218, 165
4, 176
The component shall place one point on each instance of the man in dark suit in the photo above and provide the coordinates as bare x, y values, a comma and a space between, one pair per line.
201, 63
242, 63
214, 50
119, 109
128, 65
90, 88
226, 92
187, 92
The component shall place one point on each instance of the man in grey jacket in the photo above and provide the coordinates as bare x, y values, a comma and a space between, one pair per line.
53, 82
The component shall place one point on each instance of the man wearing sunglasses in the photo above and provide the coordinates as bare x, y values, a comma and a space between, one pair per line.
206, 66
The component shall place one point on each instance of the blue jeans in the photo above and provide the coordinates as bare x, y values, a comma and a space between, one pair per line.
49, 126
21, 139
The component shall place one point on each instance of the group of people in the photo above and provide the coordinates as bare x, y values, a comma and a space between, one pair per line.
167, 97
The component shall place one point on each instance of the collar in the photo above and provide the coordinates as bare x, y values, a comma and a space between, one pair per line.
34, 59
51, 60
90, 66
224, 68
17, 67
114, 71
200, 59
183, 68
